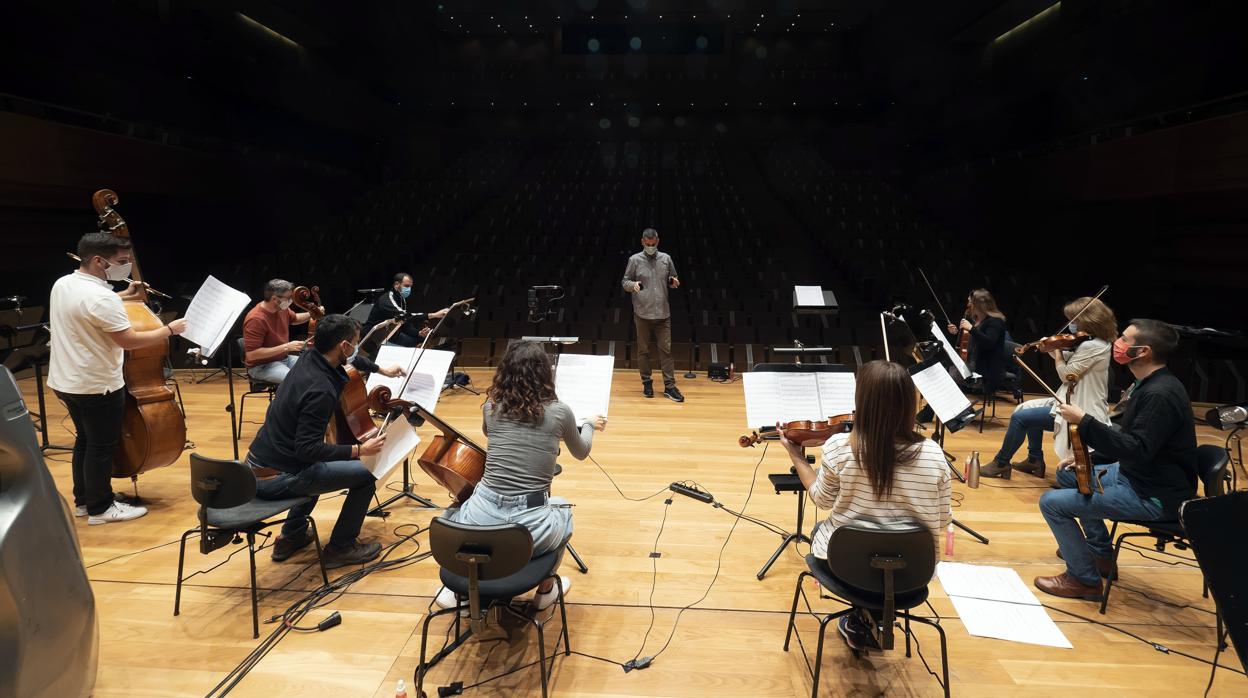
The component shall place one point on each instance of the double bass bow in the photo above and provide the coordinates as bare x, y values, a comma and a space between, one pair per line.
153, 426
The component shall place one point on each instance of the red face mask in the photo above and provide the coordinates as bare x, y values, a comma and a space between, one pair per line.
1121, 351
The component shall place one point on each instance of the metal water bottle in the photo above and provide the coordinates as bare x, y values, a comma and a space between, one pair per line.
972, 470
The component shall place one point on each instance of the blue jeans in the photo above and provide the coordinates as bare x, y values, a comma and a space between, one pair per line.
549, 524
318, 479
1062, 506
1032, 423
273, 371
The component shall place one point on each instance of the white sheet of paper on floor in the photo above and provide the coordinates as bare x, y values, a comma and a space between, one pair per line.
994, 602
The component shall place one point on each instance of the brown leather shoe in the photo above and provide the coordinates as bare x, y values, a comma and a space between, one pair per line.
1031, 466
1068, 587
1104, 566
994, 468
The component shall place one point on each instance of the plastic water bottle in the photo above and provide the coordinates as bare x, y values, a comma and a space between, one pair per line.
400, 689
949, 541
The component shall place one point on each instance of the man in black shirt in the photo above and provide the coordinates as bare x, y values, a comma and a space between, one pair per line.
292, 459
392, 304
1155, 472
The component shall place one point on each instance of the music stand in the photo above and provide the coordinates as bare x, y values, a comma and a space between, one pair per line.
953, 423
789, 482
34, 356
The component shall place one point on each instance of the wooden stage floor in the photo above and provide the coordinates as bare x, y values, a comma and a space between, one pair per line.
728, 645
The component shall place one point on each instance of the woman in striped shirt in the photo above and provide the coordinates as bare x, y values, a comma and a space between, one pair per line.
881, 470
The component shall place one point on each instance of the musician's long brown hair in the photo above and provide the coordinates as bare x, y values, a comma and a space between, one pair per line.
985, 305
523, 384
1098, 320
884, 436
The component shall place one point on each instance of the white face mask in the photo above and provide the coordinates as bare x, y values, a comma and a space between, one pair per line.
283, 304
117, 272
651, 250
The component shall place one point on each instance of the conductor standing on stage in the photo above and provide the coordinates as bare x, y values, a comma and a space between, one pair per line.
648, 277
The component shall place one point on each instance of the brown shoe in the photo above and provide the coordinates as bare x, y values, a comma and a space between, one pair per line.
995, 468
1031, 466
1104, 566
1068, 587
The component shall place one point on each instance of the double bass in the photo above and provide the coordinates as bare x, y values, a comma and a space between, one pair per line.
153, 427
308, 299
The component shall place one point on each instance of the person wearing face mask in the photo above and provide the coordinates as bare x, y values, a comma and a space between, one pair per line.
1153, 469
90, 335
268, 352
291, 458
648, 277
1089, 365
392, 304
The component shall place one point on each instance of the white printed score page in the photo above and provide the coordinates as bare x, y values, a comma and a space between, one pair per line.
778, 396
212, 313
427, 371
954, 356
994, 602
583, 382
941, 392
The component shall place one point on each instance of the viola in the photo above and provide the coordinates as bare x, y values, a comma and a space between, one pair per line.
153, 426
964, 337
1085, 474
452, 460
803, 432
1055, 342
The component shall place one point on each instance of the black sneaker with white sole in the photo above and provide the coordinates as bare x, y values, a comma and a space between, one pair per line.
673, 394
857, 633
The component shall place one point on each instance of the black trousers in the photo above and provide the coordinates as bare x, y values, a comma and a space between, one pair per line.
97, 420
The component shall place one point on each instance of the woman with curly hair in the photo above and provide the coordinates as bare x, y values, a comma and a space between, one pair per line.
524, 422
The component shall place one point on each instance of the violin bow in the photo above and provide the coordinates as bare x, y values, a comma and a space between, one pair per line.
1085, 307
1018, 360
934, 296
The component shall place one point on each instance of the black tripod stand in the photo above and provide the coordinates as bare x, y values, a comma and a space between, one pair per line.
408, 492
788, 483
938, 435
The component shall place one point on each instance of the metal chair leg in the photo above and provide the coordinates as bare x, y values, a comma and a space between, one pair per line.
944, 648
255, 610
823, 626
563, 618
907, 615
788, 633
177, 594
320, 557
1109, 581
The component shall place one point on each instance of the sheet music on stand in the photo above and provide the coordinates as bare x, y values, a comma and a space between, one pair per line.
401, 440
818, 392
583, 382
212, 313
954, 356
427, 376
946, 399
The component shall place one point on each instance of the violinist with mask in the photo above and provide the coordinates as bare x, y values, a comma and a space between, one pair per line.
1088, 364
392, 304
291, 458
1154, 472
268, 352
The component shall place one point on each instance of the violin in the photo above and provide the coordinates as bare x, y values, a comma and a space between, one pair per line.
1055, 342
309, 301
803, 432
452, 460
153, 426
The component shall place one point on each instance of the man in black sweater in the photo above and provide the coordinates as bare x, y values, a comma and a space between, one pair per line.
291, 458
1155, 472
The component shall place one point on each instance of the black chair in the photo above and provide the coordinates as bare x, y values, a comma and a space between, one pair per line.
255, 387
489, 565
1211, 465
228, 508
881, 567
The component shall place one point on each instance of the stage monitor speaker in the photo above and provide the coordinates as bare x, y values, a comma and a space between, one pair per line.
1212, 525
49, 635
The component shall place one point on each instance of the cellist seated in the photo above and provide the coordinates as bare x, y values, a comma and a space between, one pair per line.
1155, 470
292, 459
268, 352
525, 422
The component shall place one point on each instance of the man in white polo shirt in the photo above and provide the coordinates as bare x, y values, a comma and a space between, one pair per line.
90, 333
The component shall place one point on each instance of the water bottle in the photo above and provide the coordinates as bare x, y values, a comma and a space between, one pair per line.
972, 470
400, 689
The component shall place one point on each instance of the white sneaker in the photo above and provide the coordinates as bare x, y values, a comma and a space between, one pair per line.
544, 601
119, 511
446, 598
80, 511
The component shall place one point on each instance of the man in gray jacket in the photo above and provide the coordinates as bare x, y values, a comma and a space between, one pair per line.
648, 276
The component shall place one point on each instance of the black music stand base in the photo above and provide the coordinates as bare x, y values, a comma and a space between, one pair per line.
408, 492
43, 414
939, 437
788, 483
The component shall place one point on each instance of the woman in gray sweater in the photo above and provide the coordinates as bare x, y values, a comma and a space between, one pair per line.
525, 423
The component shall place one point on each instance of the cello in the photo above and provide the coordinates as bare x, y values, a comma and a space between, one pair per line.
309, 301
153, 427
451, 459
